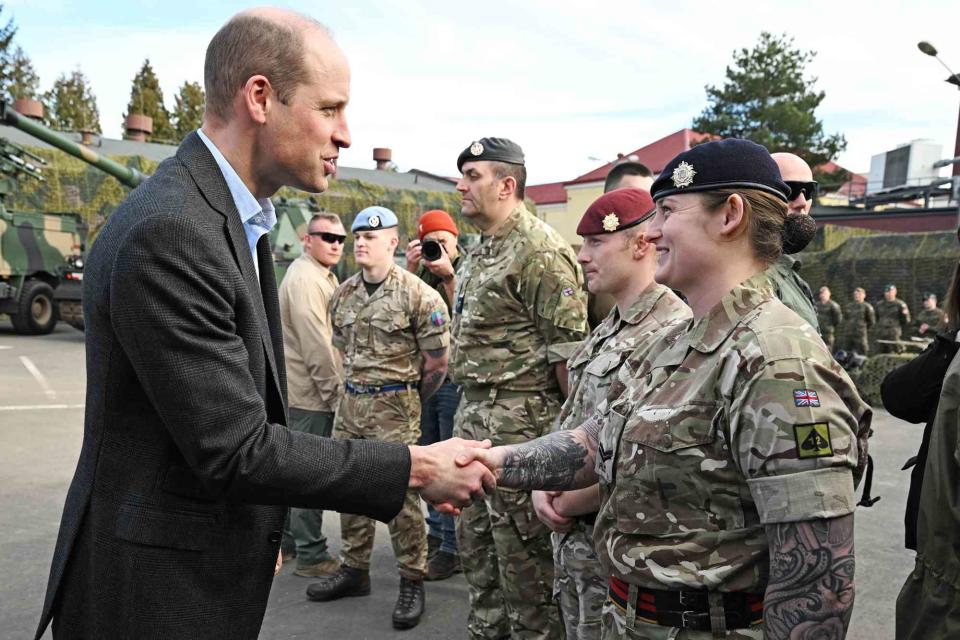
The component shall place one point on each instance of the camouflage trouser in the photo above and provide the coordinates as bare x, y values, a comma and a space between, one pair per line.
888, 332
615, 628
392, 417
854, 341
579, 582
504, 549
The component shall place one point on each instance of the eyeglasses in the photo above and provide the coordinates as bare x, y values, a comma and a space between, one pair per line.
808, 189
328, 237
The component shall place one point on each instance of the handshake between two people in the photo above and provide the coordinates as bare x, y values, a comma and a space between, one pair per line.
454, 473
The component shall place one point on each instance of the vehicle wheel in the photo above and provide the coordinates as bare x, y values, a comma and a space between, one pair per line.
37, 314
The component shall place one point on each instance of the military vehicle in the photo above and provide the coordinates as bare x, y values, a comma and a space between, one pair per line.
52, 283
34, 247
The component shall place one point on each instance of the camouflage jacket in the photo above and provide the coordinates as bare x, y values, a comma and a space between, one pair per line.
595, 363
858, 317
436, 283
792, 290
829, 316
381, 335
735, 421
935, 319
892, 313
520, 307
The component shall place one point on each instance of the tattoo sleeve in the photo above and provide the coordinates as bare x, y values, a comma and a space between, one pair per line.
433, 373
810, 594
558, 461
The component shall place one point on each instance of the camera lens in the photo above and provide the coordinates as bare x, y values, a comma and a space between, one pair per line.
431, 250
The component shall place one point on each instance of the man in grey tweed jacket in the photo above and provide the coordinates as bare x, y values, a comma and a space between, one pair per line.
172, 523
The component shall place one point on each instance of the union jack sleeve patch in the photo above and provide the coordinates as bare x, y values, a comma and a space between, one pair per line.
806, 398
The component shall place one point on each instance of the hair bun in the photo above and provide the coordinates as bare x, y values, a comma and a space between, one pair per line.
798, 231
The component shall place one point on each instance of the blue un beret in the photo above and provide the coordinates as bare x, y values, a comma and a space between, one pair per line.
722, 164
374, 218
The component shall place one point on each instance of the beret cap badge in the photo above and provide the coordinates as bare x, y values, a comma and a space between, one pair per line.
373, 221
611, 222
683, 175
476, 149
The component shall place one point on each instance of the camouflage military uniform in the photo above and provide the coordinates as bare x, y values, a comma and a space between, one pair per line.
830, 317
519, 310
858, 317
733, 422
381, 337
934, 318
893, 317
579, 581
793, 291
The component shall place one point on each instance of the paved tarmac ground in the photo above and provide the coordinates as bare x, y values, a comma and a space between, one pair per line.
42, 383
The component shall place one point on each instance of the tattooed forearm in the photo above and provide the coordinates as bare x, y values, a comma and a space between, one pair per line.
433, 373
810, 594
559, 461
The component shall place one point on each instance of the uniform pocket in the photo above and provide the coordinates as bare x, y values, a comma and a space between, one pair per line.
514, 507
674, 474
387, 333
169, 527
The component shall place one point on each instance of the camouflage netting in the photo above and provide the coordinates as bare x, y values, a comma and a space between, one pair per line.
72, 185
869, 378
914, 262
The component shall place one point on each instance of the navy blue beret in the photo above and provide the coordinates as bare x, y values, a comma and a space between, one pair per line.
496, 149
723, 164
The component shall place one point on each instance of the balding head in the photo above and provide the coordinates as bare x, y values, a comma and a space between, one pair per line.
794, 169
266, 41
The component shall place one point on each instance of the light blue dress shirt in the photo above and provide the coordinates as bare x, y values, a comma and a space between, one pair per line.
257, 216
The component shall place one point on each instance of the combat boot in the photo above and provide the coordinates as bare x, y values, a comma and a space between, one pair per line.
347, 582
410, 604
442, 565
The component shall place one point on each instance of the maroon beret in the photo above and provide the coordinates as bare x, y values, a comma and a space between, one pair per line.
616, 210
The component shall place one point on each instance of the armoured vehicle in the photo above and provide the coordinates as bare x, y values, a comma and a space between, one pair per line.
34, 247
49, 272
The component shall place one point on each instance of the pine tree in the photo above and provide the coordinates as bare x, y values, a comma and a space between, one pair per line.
188, 111
7, 32
767, 99
71, 105
23, 81
146, 98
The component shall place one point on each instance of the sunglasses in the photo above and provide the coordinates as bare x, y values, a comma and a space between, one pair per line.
332, 238
808, 189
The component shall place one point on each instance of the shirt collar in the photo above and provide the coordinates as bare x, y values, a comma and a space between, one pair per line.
247, 205
712, 329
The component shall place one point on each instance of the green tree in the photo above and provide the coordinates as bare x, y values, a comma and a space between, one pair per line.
71, 105
146, 98
767, 99
7, 32
23, 81
188, 110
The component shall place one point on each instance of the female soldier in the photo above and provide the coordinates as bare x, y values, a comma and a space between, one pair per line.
728, 456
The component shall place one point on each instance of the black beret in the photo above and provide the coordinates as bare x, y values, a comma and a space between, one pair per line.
721, 165
496, 149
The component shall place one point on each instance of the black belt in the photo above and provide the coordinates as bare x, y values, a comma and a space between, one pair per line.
370, 389
688, 609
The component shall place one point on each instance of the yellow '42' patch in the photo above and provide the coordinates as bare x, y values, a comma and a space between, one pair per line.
813, 440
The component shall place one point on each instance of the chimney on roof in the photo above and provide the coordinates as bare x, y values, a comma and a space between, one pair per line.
86, 137
28, 107
138, 127
382, 157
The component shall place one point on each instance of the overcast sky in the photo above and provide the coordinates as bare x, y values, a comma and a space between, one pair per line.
568, 81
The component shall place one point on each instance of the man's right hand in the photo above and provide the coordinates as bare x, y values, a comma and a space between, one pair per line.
413, 256
444, 483
543, 506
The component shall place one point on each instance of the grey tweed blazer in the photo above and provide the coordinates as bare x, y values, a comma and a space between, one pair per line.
173, 520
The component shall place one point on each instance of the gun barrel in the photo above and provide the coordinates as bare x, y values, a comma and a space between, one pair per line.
126, 175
